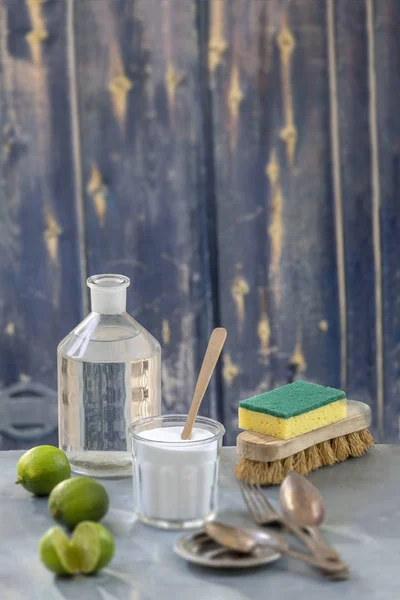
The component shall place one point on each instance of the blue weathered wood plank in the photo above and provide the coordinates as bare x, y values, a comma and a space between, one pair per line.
353, 130
242, 132
312, 269
277, 262
143, 171
40, 298
386, 27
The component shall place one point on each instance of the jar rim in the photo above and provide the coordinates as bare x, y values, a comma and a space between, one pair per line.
218, 427
108, 281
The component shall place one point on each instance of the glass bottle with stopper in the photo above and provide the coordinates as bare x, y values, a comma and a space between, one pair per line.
109, 375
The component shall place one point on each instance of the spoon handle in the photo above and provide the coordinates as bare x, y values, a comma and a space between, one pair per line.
214, 348
318, 550
322, 546
328, 566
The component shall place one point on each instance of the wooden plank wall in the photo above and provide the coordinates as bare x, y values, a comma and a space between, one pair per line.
142, 158
278, 288
239, 160
351, 128
385, 17
39, 261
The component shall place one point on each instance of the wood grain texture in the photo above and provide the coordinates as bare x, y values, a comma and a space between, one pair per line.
376, 214
386, 24
239, 160
240, 75
265, 448
39, 263
311, 285
355, 166
277, 262
143, 173
337, 187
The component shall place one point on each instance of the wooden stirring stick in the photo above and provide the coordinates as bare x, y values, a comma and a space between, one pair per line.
215, 345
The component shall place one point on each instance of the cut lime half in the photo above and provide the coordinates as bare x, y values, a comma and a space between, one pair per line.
56, 552
93, 546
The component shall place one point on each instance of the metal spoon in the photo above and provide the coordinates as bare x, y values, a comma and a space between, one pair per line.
246, 540
302, 505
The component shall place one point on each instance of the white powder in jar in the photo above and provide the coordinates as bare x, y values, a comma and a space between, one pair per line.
175, 479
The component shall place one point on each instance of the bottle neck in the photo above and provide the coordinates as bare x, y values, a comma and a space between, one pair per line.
108, 301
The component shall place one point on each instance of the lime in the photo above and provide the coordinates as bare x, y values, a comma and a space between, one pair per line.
56, 552
93, 545
78, 499
41, 468
90, 549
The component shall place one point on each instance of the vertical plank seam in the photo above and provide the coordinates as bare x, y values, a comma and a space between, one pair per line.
209, 216
376, 205
337, 189
76, 151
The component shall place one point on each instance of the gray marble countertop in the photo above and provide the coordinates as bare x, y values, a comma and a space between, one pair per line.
363, 501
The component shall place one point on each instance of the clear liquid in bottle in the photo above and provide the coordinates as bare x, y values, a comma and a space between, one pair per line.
109, 375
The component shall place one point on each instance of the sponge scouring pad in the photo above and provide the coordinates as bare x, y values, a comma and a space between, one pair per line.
292, 410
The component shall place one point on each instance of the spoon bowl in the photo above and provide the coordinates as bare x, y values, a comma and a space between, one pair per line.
301, 502
243, 540
303, 506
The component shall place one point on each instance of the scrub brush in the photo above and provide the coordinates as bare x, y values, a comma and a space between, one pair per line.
321, 427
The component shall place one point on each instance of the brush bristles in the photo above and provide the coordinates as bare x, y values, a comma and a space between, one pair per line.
323, 454
313, 459
300, 462
340, 447
287, 464
356, 443
326, 453
366, 438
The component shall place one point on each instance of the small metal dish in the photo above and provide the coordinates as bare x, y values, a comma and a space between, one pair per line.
199, 549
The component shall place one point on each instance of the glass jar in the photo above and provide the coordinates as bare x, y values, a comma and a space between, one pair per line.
175, 481
109, 374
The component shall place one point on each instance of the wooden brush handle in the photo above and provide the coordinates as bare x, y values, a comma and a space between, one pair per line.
215, 345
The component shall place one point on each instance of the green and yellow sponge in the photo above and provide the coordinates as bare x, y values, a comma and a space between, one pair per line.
292, 410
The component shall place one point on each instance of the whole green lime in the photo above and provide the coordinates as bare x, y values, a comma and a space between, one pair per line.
41, 468
93, 546
56, 552
78, 499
